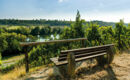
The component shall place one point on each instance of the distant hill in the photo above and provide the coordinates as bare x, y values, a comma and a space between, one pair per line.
102, 23
48, 22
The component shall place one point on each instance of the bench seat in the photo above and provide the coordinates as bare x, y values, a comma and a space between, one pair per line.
84, 53
58, 63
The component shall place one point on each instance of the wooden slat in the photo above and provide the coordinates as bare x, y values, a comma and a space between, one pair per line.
58, 63
89, 48
87, 57
47, 42
83, 51
82, 55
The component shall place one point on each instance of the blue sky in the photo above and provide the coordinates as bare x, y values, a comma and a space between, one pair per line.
105, 10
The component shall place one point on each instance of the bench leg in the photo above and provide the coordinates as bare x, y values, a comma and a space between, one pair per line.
101, 61
106, 59
63, 70
68, 71
110, 55
71, 65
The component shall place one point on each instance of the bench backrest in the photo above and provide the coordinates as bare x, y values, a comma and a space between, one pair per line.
82, 52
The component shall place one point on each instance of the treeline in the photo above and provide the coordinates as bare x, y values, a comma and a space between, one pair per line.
38, 30
35, 22
50, 22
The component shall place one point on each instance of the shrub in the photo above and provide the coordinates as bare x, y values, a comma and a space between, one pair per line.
0, 59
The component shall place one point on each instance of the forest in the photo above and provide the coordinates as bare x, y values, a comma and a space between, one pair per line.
18, 31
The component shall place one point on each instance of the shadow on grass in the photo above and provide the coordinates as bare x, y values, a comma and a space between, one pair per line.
35, 78
90, 71
111, 75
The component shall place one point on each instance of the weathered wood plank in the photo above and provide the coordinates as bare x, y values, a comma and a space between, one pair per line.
82, 55
58, 63
48, 42
89, 48
83, 51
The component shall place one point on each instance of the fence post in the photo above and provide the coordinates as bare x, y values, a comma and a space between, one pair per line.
71, 65
26, 59
83, 43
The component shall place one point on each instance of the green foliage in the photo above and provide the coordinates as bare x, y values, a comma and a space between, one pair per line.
35, 31
67, 33
41, 54
10, 43
35, 22
75, 31
19, 30
3, 43
107, 34
120, 31
94, 35
37, 56
0, 59
78, 27
45, 30
2, 30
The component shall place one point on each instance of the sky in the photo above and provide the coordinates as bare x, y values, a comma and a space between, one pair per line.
104, 10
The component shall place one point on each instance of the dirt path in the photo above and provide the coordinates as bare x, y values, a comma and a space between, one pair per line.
119, 70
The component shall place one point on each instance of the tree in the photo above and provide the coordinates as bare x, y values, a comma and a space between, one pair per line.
3, 43
94, 35
119, 32
78, 26
35, 31
12, 43
75, 30
0, 59
45, 30
107, 34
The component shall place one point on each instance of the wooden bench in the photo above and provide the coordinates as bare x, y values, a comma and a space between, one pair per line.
82, 54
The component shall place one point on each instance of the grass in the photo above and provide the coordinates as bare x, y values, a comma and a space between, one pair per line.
13, 74
17, 72
12, 57
9, 63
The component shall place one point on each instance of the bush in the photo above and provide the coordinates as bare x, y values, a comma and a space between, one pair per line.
0, 59
10, 43
0, 62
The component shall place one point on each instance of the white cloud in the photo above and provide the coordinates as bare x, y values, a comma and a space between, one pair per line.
60, 1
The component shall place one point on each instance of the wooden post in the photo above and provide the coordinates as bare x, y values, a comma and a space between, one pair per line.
26, 59
71, 65
110, 54
83, 43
